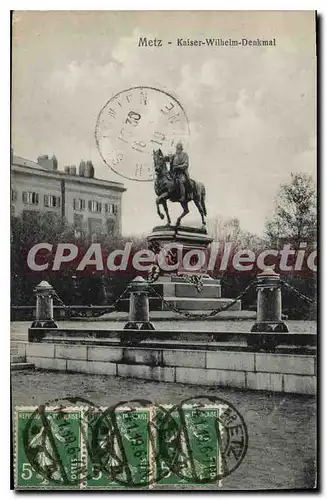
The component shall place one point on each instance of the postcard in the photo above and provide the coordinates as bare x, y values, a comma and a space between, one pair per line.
164, 250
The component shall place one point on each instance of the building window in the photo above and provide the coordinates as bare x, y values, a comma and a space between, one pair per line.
95, 206
13, 195
30, 198
51, 201
79, 204
111, 208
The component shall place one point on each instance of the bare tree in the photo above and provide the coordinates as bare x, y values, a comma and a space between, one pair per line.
295, 217
229, 230
224, 229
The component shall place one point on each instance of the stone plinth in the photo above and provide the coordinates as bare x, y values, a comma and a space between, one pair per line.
187, 256
178, 292
199, 358
183, 234
182, 257
186, 245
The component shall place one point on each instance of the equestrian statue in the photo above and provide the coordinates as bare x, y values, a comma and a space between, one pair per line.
175, 184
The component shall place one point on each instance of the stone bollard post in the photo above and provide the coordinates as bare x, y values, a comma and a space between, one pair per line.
44, 306
139, 316
269, 303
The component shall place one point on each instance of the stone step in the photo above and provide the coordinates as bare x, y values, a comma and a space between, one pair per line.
194, 304
207, 280
19, 336
22, 366
15, 358
209, 291
13, 348
185, 304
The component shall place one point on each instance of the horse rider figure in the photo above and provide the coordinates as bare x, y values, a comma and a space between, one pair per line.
179, 170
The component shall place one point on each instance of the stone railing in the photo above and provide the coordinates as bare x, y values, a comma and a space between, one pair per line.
215, 362
267, 358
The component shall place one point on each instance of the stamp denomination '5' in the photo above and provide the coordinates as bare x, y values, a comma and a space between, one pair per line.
48, 449
125, 446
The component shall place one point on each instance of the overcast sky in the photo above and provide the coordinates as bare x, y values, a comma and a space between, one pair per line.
252, 111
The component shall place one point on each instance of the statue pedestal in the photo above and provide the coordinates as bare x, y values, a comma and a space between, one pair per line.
188, 254
183, 283
187, 235
187, 247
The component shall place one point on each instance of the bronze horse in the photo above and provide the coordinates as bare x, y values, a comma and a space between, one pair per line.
166, 189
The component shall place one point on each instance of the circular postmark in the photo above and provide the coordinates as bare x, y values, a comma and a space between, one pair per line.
125, 443
52, 444
90, 446
135, 122
132, 443
55, 441
211, 438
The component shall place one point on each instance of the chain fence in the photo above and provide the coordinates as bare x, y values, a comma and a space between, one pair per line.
214, 312
299, 294
72, 311
196, 280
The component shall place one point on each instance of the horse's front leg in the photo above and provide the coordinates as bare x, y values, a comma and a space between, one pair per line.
159, 201
164, 204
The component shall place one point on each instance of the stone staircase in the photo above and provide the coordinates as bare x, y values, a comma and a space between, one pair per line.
18, 362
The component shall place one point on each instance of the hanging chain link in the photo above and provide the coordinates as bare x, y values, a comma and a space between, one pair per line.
72, 311
194, 279
152, 278
298, 293
190, 315
153, 275
56, 296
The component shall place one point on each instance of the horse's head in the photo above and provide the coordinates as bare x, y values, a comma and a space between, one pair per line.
159, 163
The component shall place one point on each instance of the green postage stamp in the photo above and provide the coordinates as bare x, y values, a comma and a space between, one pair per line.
164, 250
116, 448
48, 448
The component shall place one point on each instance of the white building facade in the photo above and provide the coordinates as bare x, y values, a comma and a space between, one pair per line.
93, 206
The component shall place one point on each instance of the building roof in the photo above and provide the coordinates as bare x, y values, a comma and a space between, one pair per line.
19, 160
30, 167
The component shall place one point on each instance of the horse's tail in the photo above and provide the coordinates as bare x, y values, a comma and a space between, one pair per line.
203, 200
